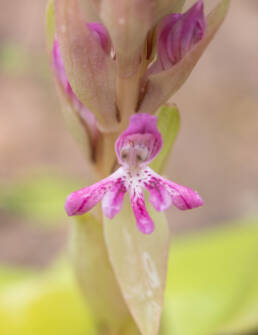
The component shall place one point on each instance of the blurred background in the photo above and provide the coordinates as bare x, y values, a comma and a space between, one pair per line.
215, 153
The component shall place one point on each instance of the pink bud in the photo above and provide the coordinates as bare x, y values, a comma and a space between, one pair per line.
102, 33
178, 33
85, 51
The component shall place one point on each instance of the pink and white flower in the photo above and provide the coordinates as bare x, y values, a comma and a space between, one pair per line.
135, 148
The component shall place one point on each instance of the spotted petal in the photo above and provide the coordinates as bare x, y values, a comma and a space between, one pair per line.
182, 197
159, 196
143, 220
113, 199
83, 200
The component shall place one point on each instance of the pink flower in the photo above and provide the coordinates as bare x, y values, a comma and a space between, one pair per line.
177, 34
135, 148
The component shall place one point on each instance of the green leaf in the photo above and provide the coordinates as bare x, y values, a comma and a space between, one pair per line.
95, 275
163, 85
168, 125
140, 264
50, 24
212, 282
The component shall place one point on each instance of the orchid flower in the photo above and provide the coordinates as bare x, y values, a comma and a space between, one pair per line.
117, 63
135, 148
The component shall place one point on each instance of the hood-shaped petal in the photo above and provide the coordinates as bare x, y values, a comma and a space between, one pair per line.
89, 68
161, 86
142, 132
128, 23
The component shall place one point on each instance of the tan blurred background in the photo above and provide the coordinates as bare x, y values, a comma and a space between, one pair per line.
216, 151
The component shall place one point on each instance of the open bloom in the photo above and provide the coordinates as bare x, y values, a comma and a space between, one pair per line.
135, 148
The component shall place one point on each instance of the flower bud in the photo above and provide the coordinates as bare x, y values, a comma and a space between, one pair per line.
102, 33
178, 33
83, 113
85, 51
128, 23
179, 50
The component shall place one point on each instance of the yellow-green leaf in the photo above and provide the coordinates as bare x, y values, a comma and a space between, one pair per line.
140, 264
95, 275
168, 125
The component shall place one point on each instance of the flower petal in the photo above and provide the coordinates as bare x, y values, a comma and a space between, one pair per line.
160, 198
182, 197
113, 199
141, 124
81, 201
102, 34
161, 86
143, 220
